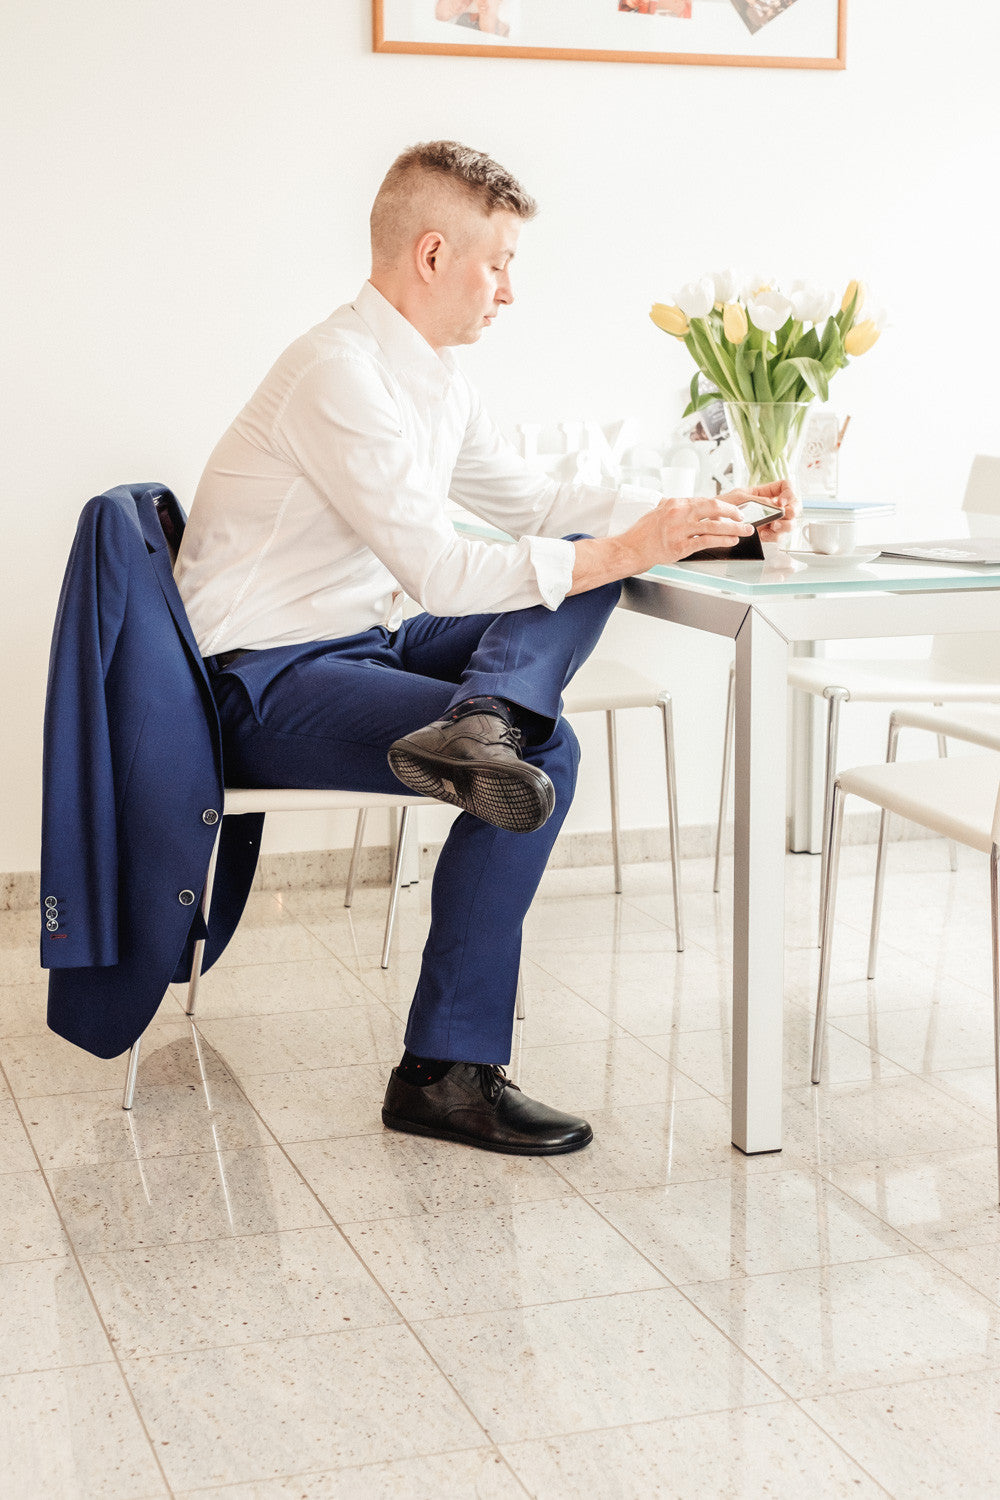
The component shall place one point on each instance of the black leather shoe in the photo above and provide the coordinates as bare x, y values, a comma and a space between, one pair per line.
477, 1104
475, 763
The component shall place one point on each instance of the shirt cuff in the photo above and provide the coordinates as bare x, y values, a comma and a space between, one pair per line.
552, 559
634, 501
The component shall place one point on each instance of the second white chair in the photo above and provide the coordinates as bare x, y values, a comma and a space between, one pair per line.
605, 685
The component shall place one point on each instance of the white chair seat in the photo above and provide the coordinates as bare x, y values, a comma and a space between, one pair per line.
304, 799
954, 798
603, 684
977, 726
889, 681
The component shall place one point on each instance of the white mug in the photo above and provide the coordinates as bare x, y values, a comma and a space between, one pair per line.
831, 537
678, 481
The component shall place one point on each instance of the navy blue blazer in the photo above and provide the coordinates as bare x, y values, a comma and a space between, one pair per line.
132, 781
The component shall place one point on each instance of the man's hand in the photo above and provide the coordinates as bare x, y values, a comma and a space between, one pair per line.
672, 530
676, 529
778, 493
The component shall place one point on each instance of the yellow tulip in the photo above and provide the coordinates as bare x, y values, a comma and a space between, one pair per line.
670, 319
734, 322
861, 337
855, 289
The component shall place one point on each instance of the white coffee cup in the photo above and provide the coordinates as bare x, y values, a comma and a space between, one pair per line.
678, 480
831, 537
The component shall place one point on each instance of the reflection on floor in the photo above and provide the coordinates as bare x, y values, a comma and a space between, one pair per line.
247, 1289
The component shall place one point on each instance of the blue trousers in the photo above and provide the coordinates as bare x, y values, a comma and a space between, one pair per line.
325, 714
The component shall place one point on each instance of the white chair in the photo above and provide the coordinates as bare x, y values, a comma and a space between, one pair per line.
239, 800
605, 685
959, 668
958, 799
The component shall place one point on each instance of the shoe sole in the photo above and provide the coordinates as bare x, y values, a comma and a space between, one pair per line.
395, 1122
518, 798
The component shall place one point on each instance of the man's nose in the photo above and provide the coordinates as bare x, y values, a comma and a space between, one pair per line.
505, 292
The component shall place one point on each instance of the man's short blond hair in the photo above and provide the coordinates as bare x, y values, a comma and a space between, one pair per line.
429, 185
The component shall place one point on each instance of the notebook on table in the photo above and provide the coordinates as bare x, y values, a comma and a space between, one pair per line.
984, 550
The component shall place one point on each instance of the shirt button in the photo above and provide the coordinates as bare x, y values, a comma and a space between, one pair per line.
210, 815
186, 898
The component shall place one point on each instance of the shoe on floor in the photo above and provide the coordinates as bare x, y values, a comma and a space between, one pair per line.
476, 1104
475, 763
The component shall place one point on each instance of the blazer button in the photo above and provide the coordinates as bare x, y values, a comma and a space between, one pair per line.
51, 901
210, 816
186, 898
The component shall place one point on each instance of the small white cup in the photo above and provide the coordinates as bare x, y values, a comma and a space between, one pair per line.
831, 537
678, 481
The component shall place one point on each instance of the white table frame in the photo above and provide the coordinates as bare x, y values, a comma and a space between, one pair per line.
763, 628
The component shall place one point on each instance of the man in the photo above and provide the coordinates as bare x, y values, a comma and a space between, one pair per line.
321, 507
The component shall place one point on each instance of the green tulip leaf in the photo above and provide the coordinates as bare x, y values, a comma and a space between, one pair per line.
808, 346
746, 358
785, 378
814, 375
761, 381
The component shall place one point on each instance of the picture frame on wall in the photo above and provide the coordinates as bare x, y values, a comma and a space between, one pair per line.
718, 33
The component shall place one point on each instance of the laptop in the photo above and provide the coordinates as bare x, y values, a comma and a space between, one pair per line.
984, 550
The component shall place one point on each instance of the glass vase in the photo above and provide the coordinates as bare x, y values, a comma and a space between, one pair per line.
767, 439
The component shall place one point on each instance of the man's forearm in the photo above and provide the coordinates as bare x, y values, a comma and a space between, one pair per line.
605, 559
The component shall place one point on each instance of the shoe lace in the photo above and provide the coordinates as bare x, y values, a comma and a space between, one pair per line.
512, 738
493, 1079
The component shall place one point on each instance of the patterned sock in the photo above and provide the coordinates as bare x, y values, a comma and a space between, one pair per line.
421, 1071
484, 705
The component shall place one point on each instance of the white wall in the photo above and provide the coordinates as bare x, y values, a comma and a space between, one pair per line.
187, 186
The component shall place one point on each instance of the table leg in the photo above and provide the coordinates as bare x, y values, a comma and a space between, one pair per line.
759, 883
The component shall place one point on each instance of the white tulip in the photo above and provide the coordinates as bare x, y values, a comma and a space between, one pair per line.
697, 298
810, 303
754, 284
728, 285
769, 311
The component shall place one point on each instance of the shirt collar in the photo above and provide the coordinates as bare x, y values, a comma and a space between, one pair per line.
407, 352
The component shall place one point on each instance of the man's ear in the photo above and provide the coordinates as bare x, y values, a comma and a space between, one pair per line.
427, 252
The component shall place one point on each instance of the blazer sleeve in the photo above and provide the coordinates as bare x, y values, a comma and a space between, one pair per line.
79, 838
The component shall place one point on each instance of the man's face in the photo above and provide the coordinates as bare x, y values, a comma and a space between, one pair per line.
475, 278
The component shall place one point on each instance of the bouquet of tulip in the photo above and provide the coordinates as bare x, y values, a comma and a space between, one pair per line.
766, 354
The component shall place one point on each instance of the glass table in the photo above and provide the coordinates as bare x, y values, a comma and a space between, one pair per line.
765, 608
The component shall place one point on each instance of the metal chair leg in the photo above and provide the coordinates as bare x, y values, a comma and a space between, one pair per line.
834, 696
613, 779
995, 941
727, 756
397, 872
133, 1069
942, 744
667, 710
359, 836
883, 849
829, 907
199, 947
519, 1002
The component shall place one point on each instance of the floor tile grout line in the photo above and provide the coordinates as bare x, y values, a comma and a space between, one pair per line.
490, 1445
93, 1302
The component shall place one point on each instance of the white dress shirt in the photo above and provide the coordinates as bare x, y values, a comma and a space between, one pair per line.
326, 500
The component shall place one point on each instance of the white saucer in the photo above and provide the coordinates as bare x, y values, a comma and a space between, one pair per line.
837, 559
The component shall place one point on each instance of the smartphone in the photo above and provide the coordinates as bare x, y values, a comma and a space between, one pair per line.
758, 514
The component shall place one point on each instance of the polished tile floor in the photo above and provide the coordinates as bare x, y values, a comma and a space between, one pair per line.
247, 1289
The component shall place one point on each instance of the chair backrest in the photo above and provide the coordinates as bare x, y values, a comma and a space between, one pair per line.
976, 655
982, 496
